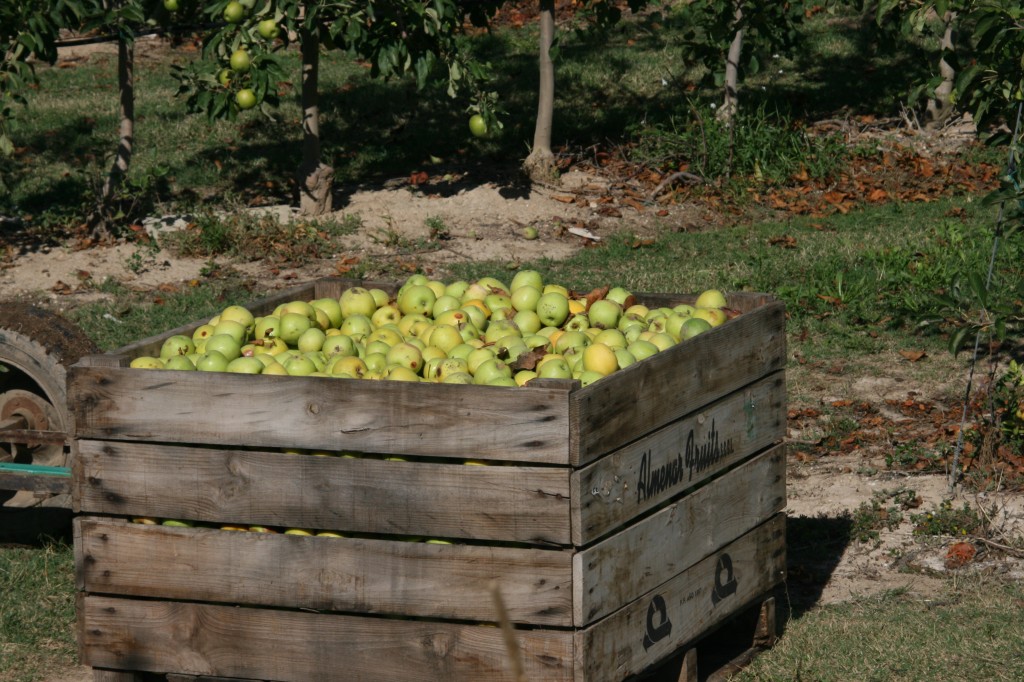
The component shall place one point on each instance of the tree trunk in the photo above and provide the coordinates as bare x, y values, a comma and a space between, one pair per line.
315, 179
940, 106
540, 164
126, 134
732, 70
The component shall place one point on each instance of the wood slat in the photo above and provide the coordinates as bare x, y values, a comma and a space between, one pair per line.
394, 417
447, 500
297, 646
664, 619
333, 574
647, 395
659, 466
616, 571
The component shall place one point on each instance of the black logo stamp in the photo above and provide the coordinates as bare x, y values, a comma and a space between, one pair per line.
658, 624
725, 579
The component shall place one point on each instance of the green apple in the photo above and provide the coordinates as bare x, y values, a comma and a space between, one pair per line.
456, 289
177, 523
357, 301
418, 298
458, 378
623, 357
400, 373
499, 329
528, 321
380, 297
588, 377
175, 345
346, 364
312, 340
226, 344
604, 314
146, 362
268, 29
553, 309
300, 366
556, 368
446, 337
493, 285
406, 355
375, 362
239, 314
338, 344
388, 334
293, 325
711, 298
571, 339
579, 322
180, 362
245, 365
266, 327
240, 60
476, 315
619, 295
201, 333
526, 297
713, 316
330, 307
357, 326
610, 337
523, 376
478, 357
489, 370
523, 278
497, 301
662, 340
212, 361
233, 328
692, 327
642, 350
443, 304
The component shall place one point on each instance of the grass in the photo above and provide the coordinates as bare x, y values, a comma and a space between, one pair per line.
37, 612
971, 631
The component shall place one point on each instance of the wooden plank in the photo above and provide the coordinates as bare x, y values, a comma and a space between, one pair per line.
439, 499
742, 301
30, 480
650, 471
394, 417
297, 646
647, 395
383, 577
616, 571
99, 675
652, 627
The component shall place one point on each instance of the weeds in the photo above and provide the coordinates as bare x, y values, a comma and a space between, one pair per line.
875, 515
945, 519
259, 236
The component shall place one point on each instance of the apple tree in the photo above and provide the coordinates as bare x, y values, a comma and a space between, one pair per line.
733, 37
940, 20
540, 164
241, 68
28, 31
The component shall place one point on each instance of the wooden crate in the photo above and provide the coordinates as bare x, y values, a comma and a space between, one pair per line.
618, 521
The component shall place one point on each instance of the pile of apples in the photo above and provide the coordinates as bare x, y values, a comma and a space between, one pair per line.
483, 332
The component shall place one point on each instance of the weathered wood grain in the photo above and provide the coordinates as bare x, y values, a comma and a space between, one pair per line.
297, 646
440, 499
394, 417
644, 474
647, 395
616, 571
371, 576
664, 619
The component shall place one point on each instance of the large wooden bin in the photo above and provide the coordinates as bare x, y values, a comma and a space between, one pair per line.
618, 521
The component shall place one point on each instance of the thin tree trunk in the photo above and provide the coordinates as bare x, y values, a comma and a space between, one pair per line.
315, 179
730, 103
126, 133
940, 106
540, 164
